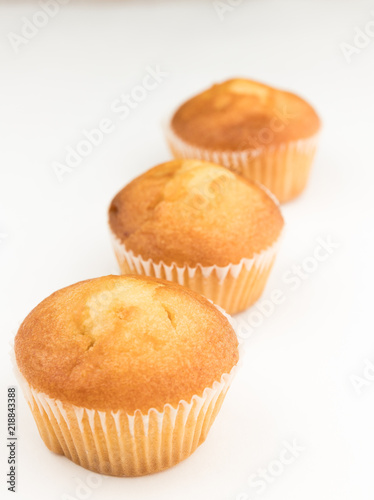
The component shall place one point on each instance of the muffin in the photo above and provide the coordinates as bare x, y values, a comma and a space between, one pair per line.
200, 225
265, 134
125, 374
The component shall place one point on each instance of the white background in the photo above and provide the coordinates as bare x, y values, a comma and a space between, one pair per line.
295, 381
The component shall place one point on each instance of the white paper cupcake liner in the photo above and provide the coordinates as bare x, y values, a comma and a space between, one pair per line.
121, 444
283, 169
233, 287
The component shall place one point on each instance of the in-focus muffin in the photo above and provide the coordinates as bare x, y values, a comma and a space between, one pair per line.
200, 225
267, 135
125, 374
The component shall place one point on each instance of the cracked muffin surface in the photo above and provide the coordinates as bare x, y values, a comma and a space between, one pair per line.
241, 114
194, 212
125, 343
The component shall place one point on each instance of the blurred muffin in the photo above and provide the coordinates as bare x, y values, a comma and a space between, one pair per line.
265, 134
125, 375
200, 225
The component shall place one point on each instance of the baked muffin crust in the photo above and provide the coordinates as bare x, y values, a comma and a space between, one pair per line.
241, 114
194, 212
125, 342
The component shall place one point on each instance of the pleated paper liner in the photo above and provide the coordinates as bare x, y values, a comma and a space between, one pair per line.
120, 444
284, 169
233, 287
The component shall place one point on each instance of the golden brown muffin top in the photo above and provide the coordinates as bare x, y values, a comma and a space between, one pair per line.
194, 212
242, 114
125, 342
